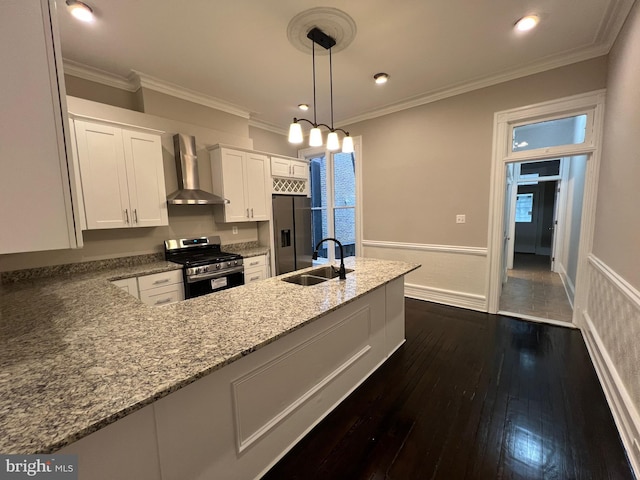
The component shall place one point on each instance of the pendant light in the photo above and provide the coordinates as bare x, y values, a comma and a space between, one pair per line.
315, 134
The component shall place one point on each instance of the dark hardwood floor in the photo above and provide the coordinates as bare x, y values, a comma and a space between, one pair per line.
469, 395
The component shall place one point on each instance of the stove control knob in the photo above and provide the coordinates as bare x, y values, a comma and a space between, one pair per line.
228, 264
198, 270
236, 262
217, 266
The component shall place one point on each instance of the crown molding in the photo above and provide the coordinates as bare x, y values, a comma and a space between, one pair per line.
434, 96
153, 83
268, 126
612, 22
93, 74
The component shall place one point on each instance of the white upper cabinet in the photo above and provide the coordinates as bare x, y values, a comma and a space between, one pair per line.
241, 177
122, 176
35, 190
289, 168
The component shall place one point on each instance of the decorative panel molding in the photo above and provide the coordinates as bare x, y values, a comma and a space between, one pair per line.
449, 274
291, 379
612, 335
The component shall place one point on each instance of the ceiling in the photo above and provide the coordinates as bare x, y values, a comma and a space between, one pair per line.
236, 54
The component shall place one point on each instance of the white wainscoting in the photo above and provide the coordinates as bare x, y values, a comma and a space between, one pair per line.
611, 329
451, 275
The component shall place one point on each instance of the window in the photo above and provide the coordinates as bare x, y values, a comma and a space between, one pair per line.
333, 203
551, 133
524, 207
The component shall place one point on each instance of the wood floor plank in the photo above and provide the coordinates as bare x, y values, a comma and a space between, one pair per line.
469, 396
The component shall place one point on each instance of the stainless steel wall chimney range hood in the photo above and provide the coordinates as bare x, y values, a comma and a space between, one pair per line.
189, 192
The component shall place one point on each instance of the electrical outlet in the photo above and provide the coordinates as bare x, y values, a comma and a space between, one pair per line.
461, 218
234, 230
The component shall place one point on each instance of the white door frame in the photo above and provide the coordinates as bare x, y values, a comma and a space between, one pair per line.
503, 123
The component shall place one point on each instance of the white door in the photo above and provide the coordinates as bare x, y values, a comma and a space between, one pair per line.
104, 176
145, 175
256, 186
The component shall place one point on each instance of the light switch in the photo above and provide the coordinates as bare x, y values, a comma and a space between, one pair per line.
461, 218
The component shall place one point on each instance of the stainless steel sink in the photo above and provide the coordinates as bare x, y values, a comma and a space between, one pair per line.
326, 272
305, 279
315, 276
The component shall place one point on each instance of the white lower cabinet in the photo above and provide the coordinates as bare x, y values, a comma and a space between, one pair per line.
255, 269
161, 288
156, 289
129, 285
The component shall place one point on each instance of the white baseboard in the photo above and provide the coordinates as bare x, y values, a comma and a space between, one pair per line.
569, 288
447, 297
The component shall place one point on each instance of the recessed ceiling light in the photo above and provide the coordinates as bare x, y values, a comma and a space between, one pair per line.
80, 10
381, 78
303, 106
527, 23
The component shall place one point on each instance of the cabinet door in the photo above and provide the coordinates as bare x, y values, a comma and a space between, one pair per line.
280, 167
299, 169
36, 211
145, 179
234, 187
256, 186
103, 174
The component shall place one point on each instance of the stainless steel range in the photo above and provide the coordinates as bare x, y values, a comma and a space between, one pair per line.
206, 268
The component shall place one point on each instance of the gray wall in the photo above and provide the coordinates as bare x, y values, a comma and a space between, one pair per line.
424, 165
617, 228
266, 141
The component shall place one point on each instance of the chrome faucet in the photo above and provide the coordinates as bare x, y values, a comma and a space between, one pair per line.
341, 272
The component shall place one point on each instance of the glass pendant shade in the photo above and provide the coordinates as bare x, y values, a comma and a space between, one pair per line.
295, 133
347, 145
315, 137
333, 143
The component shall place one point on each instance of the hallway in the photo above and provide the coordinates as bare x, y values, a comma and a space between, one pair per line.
533, 289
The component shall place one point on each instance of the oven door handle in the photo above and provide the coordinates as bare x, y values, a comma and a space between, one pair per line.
217, 274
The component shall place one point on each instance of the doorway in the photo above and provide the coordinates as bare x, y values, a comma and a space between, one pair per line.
567, 131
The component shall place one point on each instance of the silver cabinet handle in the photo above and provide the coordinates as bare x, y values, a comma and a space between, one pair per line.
253, 263
164, 280
162, 302
247, 213
135, 215
126, 212
252, 213
257, 277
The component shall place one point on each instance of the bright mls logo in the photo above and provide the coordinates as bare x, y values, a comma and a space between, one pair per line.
50, 467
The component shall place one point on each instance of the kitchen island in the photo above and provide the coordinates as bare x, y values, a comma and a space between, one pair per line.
217, 385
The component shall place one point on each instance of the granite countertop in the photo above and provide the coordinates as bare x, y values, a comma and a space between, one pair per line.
77, 353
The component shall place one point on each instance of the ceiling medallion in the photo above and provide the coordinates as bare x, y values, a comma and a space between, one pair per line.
335, 23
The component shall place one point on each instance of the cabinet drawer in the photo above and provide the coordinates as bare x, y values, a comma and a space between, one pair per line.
160, 280
252, 262
129, 285
254, 275
163, 295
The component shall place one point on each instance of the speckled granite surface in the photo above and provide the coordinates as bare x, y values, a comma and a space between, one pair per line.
77, 353
250, 249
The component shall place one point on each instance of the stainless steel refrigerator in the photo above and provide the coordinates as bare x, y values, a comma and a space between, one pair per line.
292, 231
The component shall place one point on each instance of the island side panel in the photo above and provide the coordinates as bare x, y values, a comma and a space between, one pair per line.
394, 326
124, 449
238, 421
